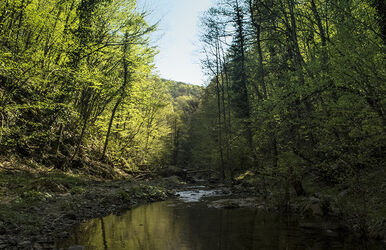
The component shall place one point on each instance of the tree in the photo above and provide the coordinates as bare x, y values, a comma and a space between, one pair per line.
306, 78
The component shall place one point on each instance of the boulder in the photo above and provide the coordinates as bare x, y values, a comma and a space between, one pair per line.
226, 203
235, 203
172, 181
316, 209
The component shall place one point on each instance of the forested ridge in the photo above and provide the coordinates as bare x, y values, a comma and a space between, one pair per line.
294, 106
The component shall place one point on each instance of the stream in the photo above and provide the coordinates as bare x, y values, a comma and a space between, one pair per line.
188, 223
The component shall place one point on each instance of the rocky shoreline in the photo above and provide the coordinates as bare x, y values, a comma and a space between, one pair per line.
38, 225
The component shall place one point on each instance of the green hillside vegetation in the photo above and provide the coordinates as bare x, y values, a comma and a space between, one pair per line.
76, 86
296, 104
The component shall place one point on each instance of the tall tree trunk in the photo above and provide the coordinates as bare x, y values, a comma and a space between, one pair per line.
67, 163
120, 98
380, 7
246, 113
257, 26
56, 145
218, 94
225, 120
228, 94
2, 127
176, 144
110, 125
322, 33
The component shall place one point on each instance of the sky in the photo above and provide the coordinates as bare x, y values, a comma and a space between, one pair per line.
177, 37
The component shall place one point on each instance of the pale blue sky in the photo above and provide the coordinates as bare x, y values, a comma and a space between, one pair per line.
177, 37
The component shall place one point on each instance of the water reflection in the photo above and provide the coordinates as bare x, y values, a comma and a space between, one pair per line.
173, 225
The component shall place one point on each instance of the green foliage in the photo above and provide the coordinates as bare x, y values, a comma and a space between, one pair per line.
75, 78
35, 187
314, 73
78, 190
32, 196
145, 192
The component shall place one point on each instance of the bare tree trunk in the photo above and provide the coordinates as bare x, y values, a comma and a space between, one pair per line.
59, 134
380, 7
226, 128
176, 143
2, 127
80, 140
228, 101
220, 139
109, 128
257, 25
226, 115
322, 34
148, 133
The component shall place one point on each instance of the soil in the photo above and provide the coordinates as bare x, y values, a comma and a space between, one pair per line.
36, 225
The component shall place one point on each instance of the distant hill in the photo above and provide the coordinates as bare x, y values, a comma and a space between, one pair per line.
178, 89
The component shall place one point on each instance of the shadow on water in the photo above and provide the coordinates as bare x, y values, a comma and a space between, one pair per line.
175, 225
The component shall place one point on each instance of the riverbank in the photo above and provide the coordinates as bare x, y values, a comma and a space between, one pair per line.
189, 222
358, 209
210, 217
38, 205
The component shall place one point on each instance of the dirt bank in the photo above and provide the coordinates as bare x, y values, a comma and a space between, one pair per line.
37, 209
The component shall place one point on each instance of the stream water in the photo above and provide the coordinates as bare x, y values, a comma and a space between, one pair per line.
188, 223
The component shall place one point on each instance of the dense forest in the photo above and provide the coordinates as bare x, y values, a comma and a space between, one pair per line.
76, 85
295, 104
297, 100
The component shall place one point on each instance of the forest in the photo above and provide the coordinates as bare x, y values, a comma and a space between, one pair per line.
295, 104
76, 83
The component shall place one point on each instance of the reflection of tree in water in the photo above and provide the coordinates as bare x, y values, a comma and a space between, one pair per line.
148, 235
104, 234
158, 226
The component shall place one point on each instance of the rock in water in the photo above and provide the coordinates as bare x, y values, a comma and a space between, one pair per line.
77, 247
236, 203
